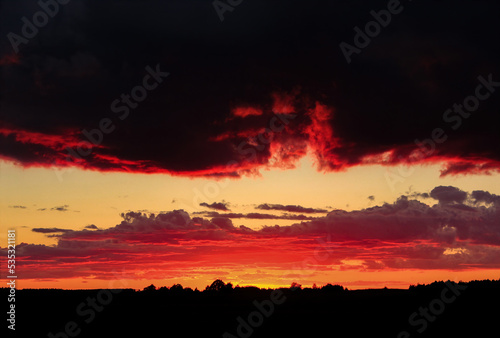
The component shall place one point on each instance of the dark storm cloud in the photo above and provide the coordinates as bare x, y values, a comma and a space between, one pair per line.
227, 78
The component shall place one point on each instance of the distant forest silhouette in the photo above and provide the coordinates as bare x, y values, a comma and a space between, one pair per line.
439, 309
219, 285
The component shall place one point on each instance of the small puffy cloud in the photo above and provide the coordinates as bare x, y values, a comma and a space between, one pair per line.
447, 195
484, 196
60, 208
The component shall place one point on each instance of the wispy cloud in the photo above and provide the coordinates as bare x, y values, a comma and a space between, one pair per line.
50, 230
289, 208
217, 206
60, 208
254, 215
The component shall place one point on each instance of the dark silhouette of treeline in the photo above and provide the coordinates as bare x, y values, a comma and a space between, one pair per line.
439, 309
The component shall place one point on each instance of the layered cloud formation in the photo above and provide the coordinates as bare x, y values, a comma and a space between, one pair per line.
456, 230
259, 90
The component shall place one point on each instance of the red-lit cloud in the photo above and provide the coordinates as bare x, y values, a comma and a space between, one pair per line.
266, 140
246, 111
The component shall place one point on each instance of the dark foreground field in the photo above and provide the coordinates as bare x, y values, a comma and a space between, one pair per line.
436, 310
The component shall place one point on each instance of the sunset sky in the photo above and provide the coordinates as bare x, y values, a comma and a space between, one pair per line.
151, 142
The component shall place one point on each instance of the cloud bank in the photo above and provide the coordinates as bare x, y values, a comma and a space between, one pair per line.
460, 231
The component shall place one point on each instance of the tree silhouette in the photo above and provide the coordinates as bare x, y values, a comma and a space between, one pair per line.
333, 288
150, 288
217, 285
176, 287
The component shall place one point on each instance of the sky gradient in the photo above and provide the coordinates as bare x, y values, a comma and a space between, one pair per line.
158, 144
